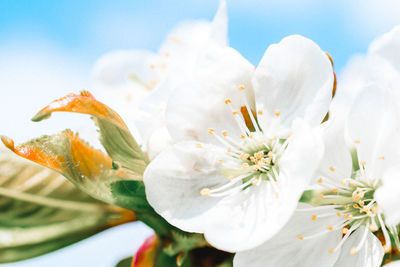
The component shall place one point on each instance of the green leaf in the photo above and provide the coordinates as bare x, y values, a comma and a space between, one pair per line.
41, 211
130, 195
125, 262
114, 134
89, 169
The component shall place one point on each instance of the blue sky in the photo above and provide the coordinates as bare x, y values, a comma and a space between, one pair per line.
47, 49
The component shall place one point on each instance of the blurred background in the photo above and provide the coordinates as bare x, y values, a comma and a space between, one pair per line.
48, 48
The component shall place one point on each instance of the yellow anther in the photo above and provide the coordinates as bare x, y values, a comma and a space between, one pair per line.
277, 112
362, 203
251, 135
356, 141
211, 130
356, 206
242, 136
343, 182
330, 228
229, 149
259, 155
313, 217
205, 191
331, 169
353, 251
345, 230
338, 213
241, 87
235, 112
220, 161
319, 180
228, 100
352, 183
244, 156
259, 112
331, 250
335, 190
289, 134
372, 227
321, 195
382, 157
300, 237
363, 163
254, 182
224, 133
199, 146
275, 138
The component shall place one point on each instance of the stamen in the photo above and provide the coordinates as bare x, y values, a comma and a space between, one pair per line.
347, 234
205, 191
388, 246
354, 250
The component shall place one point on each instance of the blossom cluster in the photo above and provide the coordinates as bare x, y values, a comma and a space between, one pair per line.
263, 162
276, 163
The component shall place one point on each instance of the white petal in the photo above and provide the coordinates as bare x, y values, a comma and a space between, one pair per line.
188, 40
174, 180
296, 78
387, 46
258, 213
219, 27
200, 104
150, 116
286, 249
336, 162
360, 72
370, 255
119, 68
373, 127
388, 195
158, 141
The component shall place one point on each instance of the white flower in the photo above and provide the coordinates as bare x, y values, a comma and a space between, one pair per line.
249, 151
355, 198
381, 65
128, 79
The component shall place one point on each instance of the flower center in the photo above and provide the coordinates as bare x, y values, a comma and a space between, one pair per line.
250, 159
353, 201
